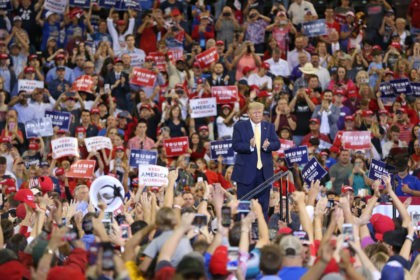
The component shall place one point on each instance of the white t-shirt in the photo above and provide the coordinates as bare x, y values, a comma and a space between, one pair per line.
279, 68
255, 79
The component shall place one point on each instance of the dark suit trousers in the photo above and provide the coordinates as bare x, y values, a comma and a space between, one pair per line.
263, 197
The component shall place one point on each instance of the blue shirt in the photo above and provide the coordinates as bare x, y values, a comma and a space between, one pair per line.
412, 182
292, 272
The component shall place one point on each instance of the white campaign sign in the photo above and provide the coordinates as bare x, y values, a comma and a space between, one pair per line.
55, 6
98, 143
66, 146
29, 85
203, 107
153, 175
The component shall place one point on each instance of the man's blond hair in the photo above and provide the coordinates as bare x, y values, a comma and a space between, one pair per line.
255, 106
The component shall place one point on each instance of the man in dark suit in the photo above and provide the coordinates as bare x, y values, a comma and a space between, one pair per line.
119, 85
254, 140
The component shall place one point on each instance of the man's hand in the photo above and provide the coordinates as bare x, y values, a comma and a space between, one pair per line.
265, 144
252, 142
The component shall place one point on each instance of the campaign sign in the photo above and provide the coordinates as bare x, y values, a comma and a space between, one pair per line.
221, 148
39, 127
98, 143
60, 119
83, 168
176, 146
6, 5
140, 157
143, 77
206, 58
153, 175
377, 169
313, 171
203, 107
175, 54
401, 86
65, 146
315, 28
29, 85
160, 60
79, 3
356, 140
124, 5
107, 4
83, 83
225, 94
415, 88
285, 144
55, 6
386, 90
297, 155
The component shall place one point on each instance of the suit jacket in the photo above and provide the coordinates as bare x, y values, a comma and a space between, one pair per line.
332, 118
245, 168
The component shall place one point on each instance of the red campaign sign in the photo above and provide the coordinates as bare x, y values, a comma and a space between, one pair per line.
176, 146
356, 140
206, 58
225, 94
83, 83
143, 77
160, 60
285, 145
82, 169
175, 54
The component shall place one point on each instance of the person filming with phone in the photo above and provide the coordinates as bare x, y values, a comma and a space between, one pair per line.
254, 140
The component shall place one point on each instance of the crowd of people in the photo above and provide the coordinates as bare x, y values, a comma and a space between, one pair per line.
316, 69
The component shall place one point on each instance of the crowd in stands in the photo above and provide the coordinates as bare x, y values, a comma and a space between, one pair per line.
322, 69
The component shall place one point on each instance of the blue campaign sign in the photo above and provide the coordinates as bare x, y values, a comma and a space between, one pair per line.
386, 90
138, 157
39, 127
401, 86
124, 5
313, 171
79, 3
107, 4
415, 88
297, 155
221, 148
377, 169
6, 5
315, 28
60, 119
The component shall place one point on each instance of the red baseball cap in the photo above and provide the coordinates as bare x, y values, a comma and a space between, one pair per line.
265, 65
396, 45
59, 171
4, 56
346, 189
29, 70
218, 261
175, 12
314, 120
349, 118
33, 146
80, 129
25, 196
120, 22
94, 111
46, 184
381, 224
246, 70
367, 113
220, 43
60, 56
119, 148
203, 127
9, 185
